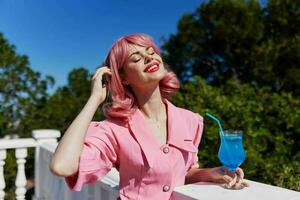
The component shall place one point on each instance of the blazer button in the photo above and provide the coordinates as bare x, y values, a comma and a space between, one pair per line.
166, 150
166, 188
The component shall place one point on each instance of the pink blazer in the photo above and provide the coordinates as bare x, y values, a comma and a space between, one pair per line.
147, 169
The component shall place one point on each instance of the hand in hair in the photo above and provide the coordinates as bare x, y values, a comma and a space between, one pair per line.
99, 90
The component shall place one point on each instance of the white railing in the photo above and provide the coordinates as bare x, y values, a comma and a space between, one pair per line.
20, 146
50, 187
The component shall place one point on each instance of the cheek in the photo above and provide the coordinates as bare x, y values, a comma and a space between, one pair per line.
133, 72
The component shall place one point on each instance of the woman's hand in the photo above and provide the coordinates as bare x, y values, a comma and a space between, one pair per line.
234, 180
99, 91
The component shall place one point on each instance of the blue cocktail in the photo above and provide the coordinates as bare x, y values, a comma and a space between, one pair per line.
231, 152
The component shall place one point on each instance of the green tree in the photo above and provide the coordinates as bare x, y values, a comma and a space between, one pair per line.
278, 57
249, 56
25, 104
22, 93
225, 39
22, 90
66, 102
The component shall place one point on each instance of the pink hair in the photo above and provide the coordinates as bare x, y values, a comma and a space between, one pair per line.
123, 103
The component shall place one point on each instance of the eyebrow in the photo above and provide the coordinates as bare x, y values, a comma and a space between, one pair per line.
138, 52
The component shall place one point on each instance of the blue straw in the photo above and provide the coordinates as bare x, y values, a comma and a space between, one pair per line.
222, 133
217, 120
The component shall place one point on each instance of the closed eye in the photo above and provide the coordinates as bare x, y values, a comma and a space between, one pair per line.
136, 56
136, 59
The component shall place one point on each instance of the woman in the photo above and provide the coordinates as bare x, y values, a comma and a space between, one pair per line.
151, 142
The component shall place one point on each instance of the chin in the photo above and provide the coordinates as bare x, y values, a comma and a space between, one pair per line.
159, 75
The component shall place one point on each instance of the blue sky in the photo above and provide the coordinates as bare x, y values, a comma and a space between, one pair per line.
61, 35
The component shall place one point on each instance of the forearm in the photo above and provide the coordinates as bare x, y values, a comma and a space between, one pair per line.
66, 157
198, 175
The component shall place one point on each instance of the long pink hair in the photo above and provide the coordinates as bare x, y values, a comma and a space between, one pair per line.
123, 103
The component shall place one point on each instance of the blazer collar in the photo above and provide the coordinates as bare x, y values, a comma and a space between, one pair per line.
177, 133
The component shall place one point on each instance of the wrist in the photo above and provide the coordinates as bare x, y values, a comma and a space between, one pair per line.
209, 175
205, 174
95, 99
199, 175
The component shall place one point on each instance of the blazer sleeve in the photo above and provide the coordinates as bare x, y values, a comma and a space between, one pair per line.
98, 156
198, 134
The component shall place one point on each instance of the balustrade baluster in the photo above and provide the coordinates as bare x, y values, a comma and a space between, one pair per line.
2, 180
21, 154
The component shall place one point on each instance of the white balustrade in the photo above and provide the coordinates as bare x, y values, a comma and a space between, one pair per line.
20, 145
257, 191
44, 138
2, 181
50, 187
55, 188
21, 154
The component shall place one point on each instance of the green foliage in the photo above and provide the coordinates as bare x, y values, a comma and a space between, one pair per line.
66, 103
225, 39
250, 57
22, 90
26, 106
269, 121
22, 94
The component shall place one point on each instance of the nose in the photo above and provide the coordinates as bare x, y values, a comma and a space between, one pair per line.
147, 59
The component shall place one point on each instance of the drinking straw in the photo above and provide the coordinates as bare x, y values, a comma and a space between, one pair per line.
221, 130
217, 120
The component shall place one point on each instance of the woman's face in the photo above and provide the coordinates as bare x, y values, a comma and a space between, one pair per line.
143, 68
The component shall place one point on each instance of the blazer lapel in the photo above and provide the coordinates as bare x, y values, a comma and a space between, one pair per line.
178, 131
142, 134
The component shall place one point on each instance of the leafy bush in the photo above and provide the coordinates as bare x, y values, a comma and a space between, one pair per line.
269, 122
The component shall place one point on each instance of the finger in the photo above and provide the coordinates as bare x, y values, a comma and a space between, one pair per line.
240, 173
233, 181
100, 71
96, 73
99, 75
227, 179
245, 183
106, 70
238, 184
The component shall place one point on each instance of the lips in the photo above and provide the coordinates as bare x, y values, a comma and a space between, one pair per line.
148, 66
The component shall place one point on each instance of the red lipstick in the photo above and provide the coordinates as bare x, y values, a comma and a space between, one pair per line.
153, 63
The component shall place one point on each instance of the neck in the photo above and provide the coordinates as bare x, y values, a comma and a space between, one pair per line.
150, 103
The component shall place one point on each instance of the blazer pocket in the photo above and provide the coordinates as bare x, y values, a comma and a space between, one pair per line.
188, 145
